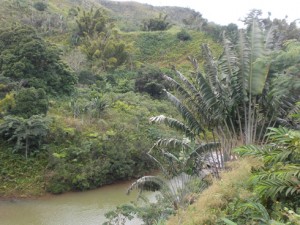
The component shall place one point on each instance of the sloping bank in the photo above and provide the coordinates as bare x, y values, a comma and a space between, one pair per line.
212, 201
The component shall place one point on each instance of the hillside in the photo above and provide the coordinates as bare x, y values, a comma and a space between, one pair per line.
130, 15
57, 23
119, 87
94, 92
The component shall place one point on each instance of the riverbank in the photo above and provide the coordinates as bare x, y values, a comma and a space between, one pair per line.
27, 179
40, 193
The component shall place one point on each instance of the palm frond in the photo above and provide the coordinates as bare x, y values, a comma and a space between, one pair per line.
259, 211
258, 67
187, 115
178, 87
228, 59
243, 51
186, 82
202, 148
270, 39
211, 69
282, 95
256, 41
260, 71
211, 106
171, 142
228, 67
189, 94
147, 183
283, 136
285, 172
173, 123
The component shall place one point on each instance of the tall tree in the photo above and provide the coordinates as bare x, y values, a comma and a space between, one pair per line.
28, 59
100, 41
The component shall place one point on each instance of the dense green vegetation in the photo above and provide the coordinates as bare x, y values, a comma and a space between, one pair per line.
71, 116
261, 189
224, 103
87, 99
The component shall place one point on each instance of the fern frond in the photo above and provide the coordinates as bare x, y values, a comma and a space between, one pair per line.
273, 187
251, 150
286, 172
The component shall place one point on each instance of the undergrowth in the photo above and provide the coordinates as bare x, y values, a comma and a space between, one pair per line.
20, 177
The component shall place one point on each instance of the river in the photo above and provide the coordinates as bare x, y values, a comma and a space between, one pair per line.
78, 208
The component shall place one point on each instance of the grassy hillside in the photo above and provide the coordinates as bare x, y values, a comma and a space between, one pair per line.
164, 48
130, 15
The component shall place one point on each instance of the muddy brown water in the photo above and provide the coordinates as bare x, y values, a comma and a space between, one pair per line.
79, 208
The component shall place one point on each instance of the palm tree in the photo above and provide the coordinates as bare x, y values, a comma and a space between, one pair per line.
232, 100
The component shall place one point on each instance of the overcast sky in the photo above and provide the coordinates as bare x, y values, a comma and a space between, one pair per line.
230, 11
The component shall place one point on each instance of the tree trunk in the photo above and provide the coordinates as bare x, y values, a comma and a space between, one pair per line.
26, 148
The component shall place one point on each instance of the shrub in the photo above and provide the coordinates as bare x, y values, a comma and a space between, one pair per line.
29, 102
156, 24
183, 35
86, 77
150, 80
33, 62
40, 6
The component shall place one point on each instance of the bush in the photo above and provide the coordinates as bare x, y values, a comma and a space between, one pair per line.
29, 102
183, 35
86, 77
150, 80
40, 6
156, 24
33, 62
